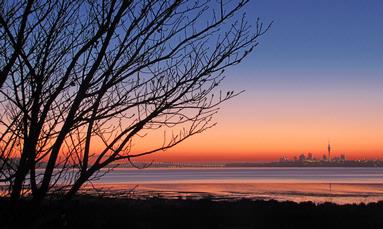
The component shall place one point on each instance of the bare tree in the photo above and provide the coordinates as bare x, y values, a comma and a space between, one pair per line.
82, 81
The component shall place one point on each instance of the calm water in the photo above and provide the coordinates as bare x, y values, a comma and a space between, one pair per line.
340, 185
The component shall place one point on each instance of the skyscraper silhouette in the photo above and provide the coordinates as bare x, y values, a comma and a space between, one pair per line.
329, 151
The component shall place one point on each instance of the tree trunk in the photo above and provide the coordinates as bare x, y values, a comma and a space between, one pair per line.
18, 183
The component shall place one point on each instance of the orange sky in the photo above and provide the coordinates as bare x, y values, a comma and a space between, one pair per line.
263, 125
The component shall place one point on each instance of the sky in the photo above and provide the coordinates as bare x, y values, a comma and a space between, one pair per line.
316, 76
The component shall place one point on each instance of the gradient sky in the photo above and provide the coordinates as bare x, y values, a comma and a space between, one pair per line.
316, 76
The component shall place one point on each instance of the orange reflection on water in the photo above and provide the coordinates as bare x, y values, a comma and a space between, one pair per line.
298, 192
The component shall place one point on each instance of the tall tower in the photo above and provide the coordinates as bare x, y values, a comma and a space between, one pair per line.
329, 151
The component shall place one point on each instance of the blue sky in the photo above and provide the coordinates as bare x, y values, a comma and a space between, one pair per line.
317, 43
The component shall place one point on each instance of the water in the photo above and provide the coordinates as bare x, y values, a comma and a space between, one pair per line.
339, 185
251, 175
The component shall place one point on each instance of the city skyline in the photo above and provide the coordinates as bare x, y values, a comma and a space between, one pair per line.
256, 157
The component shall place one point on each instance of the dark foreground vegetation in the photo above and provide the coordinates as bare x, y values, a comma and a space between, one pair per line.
91, 212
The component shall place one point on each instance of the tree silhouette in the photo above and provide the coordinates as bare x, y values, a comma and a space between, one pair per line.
80, 74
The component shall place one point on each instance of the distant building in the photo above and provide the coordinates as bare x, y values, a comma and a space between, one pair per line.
302, 157
324, 158
329, 151
310, 156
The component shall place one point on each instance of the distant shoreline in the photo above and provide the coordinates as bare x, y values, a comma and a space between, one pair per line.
298, 163
323, 164
340, 164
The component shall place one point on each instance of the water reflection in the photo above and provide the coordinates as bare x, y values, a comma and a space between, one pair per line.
316, 192
339, 185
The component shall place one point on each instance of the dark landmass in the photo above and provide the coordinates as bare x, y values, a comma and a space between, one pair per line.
282, 163
288, 163
92, 212
349, 163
